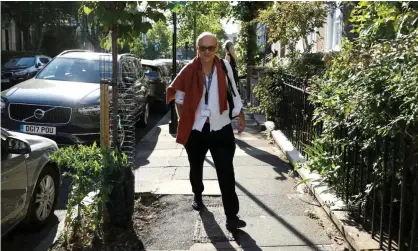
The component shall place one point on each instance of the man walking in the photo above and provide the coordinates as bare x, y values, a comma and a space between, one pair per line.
200, 91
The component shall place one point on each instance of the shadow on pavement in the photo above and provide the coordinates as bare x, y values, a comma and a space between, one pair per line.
245, 241
28, 237
270, 212
302, 237
147, 148
280, 167
213, 230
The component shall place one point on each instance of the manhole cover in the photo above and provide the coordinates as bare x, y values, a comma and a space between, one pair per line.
210, 225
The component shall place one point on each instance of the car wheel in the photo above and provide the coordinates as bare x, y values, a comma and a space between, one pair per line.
45, 196
143, 120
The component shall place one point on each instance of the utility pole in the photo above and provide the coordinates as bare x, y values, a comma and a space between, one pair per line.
173, 123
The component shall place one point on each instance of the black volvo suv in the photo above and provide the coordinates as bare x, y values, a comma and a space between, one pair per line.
62, 101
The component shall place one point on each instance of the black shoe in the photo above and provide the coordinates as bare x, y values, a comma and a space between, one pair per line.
197, 203
234, 224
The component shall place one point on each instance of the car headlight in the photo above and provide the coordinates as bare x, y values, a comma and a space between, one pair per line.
89, 110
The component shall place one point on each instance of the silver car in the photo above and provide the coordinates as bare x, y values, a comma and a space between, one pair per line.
29, 181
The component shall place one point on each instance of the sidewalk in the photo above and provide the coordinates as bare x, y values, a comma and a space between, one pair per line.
279, 215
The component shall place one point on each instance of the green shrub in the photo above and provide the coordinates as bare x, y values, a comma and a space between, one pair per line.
268, 93
91, 170
370, 90
268, 88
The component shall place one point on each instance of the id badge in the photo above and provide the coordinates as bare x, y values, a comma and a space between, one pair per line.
205, 113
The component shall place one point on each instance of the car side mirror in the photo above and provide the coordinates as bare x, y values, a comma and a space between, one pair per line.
17, 146
38, 65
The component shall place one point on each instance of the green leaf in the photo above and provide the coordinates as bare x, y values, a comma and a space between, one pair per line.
87, 10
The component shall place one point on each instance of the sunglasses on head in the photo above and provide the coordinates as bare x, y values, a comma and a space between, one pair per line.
204, 48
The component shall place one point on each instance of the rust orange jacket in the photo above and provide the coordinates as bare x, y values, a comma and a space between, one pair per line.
190, 81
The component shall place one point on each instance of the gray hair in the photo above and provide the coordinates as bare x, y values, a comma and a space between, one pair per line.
204, 34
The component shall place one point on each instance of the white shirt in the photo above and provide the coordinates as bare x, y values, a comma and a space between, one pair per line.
217, 121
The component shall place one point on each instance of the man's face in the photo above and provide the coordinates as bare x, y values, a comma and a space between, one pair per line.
207, 48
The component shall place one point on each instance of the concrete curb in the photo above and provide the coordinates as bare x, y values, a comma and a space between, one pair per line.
336, 209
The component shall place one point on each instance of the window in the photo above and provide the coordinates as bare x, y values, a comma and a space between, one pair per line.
20, 62
337, 29
151, 71
44, 60
334, 30
74, 69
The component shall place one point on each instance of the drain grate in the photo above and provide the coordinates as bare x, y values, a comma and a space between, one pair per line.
210, 225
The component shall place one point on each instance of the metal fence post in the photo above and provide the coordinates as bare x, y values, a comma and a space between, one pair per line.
173, 122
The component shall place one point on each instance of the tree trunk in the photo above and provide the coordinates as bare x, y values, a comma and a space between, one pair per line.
251, 44
40, 37
26, 39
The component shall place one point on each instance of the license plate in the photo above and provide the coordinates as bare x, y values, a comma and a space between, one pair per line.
5, 80
48, 130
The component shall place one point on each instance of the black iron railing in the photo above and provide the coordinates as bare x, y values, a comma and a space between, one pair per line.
378, 181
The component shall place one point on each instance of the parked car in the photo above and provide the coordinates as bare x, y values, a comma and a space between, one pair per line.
158, 77
20, 68
169, 64
29, 181
63, 101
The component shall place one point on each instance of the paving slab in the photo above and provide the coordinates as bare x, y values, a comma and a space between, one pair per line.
256, 187
182, 173
154, 174
290, 248
141, 146
274, 205
212, 247
282, 231
266, 160
248, 187
241, 172
141, 162
159, 153
246, 151
172, 187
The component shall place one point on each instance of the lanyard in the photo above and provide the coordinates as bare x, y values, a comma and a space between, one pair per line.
207, 86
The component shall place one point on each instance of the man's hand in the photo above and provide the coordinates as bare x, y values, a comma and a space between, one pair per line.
241, 122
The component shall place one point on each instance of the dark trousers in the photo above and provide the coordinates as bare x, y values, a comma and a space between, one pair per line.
221, 145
